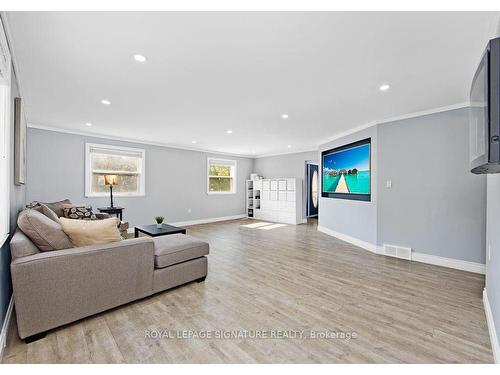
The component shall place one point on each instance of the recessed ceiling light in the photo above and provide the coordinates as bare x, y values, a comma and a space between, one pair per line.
384, 87
88, 124
229, 131
140, 58
289, 146
193, 142
284, 116
105, 102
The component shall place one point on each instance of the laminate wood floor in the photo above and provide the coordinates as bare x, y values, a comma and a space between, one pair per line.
274, 281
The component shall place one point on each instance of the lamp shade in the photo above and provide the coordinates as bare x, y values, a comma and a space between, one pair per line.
110, 179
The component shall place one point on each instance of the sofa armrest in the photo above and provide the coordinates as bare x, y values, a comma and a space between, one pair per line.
58, 287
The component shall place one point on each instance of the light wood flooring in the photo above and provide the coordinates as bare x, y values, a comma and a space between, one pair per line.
287, 278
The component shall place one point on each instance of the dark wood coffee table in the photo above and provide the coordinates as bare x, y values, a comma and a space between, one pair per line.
153, 231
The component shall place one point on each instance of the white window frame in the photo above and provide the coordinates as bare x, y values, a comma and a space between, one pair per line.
5, 124
88, 171
233, 164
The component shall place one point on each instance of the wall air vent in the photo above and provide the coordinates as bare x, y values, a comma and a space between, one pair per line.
397, 251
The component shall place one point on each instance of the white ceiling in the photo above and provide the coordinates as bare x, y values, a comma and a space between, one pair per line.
210, 72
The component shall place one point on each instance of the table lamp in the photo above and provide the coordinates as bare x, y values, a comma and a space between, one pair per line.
111, 179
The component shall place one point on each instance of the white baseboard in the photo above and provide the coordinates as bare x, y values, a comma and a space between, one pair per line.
449, 262
495, 346
416, 257
207, 220
5, 327
344, 237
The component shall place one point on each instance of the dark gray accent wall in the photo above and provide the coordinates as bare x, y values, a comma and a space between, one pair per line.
176, 180
435, 206
356, 219
493, 253
17, 201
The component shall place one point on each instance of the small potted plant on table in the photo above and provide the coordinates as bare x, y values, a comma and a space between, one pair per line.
159, 221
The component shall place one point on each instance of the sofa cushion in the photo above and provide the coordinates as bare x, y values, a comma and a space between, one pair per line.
177, 248
91, 232
40, 207
45, 233
54, 206
21, 246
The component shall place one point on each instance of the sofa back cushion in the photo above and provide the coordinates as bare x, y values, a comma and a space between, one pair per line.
57, 207
45, 233
40, 207
21, 246
91, 232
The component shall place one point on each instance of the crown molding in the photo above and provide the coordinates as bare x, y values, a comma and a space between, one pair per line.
394, 119
259, 156
285, 153
136, 141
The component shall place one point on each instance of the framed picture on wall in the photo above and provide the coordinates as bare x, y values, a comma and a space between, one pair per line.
19, 143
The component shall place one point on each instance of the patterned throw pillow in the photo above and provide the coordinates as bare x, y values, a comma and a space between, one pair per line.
79, 213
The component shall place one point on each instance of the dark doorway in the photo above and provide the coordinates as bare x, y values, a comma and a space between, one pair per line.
312, 189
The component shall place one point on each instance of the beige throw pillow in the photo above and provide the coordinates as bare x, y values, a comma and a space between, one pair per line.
91, 232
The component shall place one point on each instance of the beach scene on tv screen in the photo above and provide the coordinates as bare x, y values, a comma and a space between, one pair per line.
347, 171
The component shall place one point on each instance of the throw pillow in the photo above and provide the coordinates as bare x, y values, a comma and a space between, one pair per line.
78, 212
40, 207
91, 232
45, 233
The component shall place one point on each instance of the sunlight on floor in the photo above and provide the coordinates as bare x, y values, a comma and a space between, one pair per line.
262, 225
273, 226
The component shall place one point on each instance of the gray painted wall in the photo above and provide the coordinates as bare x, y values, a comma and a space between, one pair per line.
176, 179
288, 165
356, 219
493, 241
17, 201
435, 206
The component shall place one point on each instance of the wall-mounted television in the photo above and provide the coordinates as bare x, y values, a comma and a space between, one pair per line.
485, 112
346, 171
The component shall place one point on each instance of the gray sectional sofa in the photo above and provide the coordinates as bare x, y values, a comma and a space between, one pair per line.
53, 288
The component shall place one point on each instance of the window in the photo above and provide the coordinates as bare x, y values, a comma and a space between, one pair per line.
128, 164
221, 176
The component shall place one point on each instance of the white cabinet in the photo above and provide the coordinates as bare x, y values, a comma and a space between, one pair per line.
280, 200
274, 195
